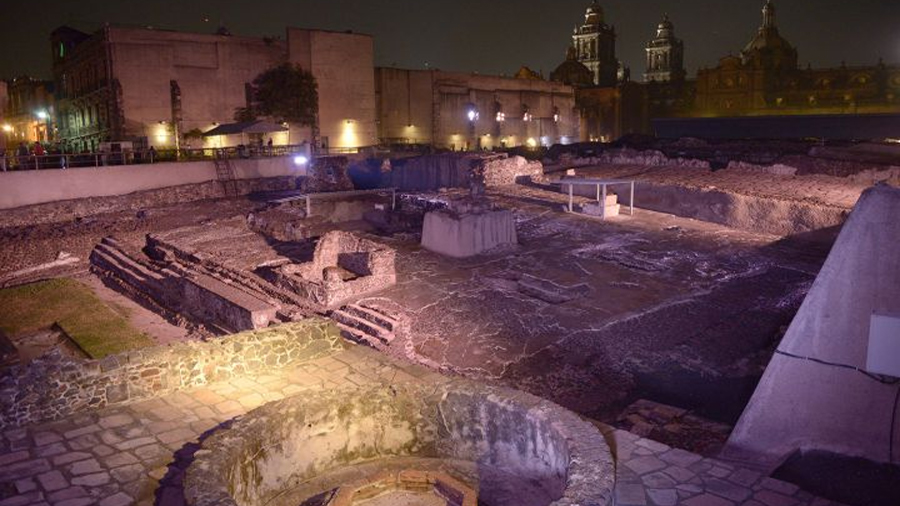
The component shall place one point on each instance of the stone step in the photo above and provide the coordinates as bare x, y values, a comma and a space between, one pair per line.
373, 330
118, 264
372, 315
358, 336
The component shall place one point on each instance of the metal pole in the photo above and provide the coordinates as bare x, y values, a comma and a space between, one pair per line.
603, 204
631, 200
571, 198
308, 207
598, 192
393, 198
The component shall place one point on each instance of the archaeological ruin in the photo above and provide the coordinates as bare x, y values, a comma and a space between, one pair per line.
598, 325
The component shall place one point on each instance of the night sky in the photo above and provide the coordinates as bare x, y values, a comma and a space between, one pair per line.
478, 35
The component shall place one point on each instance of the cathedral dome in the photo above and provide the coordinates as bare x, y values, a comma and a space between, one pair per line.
573, 72
768, 48
594, 14
665, 28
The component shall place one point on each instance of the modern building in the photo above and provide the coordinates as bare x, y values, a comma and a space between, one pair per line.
27, 111
164, 88
461, 111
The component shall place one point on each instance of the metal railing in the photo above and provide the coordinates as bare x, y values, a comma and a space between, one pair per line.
12, 161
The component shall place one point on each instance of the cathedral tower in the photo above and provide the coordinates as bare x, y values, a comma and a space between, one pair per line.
595, 46
665, 55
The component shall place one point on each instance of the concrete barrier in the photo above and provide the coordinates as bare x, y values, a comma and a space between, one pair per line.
23, 188
812, 395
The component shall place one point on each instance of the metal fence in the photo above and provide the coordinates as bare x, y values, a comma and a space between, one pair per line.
12, 161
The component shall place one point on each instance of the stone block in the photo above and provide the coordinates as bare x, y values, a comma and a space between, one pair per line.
53, 480
465, 235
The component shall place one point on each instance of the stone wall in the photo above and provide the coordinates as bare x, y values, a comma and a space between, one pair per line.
526, 450
344, 266
505, 171
67, 210
55, 385
23, 188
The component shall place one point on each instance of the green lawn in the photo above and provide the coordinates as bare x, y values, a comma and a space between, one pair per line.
93, 325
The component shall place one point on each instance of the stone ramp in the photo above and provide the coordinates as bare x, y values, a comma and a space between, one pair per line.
174, 290
810, 396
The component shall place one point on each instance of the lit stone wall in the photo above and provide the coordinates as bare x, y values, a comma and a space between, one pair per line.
56, 385
432, 107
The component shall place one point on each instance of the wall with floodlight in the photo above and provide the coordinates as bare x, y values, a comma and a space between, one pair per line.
462, 111
210, 70
25, 188
342, 64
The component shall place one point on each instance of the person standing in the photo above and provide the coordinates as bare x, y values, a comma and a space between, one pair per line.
22, 155
38, 153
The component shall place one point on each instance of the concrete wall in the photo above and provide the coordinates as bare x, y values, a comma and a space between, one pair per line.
23, 188
211, 71
342, 64
431, 106
801, 404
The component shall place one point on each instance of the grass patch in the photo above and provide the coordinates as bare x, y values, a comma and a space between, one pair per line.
96, 328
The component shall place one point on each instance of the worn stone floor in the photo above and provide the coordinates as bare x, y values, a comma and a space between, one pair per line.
136, 454
665, 301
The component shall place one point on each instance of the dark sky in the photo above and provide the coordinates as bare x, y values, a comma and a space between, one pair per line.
478, 35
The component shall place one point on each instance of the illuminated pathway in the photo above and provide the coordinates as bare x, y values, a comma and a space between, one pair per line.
136, 454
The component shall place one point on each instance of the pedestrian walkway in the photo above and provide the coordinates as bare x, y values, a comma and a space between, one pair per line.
137, 454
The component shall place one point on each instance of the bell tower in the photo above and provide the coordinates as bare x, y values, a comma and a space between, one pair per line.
595, 46
665, 55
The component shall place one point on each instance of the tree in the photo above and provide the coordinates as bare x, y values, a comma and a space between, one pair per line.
283, 93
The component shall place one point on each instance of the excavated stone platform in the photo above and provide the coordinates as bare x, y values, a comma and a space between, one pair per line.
596, 314
740, 198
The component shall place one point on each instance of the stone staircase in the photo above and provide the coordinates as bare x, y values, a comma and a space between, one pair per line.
365, 325
225, 175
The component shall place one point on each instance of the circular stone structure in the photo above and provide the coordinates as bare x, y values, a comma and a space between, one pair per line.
505, 446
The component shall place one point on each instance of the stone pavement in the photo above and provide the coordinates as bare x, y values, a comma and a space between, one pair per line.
137, 454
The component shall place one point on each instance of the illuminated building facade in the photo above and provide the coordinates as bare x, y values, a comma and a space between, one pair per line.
460, 111
764, 79
161, 88
28, 114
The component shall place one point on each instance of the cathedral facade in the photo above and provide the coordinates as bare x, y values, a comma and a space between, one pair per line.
765, 78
